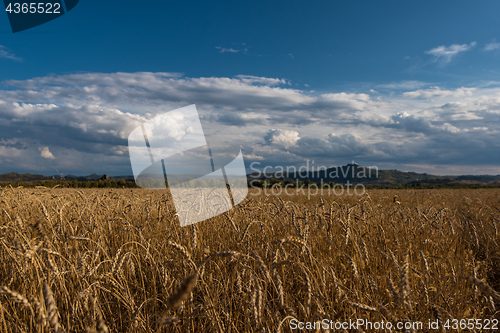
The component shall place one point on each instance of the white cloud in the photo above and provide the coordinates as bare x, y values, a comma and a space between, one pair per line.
224, 50
437, 92
492, 46
402, 85
46, 153
285, 138
86, 119
249, 79
450, 128
7, 54
243, 49
243, 92
446, 54
346, 100
346, 97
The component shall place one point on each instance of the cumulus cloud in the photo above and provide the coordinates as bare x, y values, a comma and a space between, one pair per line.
330, 106
323, 150
348, 145
450, 128
279, 137
7, 54
45, 153
89, 128
445, 54
410, 123
237, 101
244, 92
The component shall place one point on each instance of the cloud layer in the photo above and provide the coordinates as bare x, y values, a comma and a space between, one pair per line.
79, 123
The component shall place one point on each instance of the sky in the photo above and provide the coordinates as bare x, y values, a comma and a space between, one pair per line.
412, 85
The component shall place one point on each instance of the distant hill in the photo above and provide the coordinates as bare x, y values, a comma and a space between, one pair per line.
14, 177
95, 177
17, 177
352, 173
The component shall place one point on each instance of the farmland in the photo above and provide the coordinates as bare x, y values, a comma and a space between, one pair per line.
116, 260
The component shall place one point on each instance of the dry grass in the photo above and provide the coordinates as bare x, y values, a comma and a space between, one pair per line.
118, 261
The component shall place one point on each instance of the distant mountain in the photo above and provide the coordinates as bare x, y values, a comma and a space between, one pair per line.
354, 173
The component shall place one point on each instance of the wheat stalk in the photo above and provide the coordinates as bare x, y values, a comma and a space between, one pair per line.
181, 249
53, 314
17, 297
362, 306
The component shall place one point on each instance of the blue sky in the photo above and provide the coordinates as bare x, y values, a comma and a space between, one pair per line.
410, 85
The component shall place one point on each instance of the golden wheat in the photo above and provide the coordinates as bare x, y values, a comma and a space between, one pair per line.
100, 260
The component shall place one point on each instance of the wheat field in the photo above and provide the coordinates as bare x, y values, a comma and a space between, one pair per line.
116, 260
